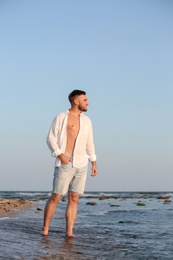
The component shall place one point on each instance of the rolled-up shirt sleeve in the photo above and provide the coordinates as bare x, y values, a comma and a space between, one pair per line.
52, 138
90, 145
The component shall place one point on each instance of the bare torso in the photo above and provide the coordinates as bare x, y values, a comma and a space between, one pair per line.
73, 125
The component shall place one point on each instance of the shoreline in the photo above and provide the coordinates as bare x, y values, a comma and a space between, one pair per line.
12, 206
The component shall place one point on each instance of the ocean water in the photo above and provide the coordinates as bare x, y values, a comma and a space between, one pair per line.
115, 228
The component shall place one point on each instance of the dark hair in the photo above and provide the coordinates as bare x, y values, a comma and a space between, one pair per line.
74, 93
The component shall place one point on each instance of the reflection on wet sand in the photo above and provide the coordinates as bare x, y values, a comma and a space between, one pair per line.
64, 248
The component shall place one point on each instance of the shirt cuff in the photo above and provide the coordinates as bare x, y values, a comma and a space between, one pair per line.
56, 153
93, 158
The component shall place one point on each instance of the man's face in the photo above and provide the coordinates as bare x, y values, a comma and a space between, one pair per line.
82, 103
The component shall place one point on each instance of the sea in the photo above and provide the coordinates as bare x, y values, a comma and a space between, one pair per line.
109, 225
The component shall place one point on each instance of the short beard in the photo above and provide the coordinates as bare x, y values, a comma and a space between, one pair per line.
82, 109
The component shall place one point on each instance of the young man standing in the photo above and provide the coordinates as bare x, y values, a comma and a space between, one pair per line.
70, 140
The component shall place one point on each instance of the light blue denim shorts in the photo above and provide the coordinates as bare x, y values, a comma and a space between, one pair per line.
69, 178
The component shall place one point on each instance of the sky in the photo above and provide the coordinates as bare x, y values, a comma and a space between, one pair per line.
121, 54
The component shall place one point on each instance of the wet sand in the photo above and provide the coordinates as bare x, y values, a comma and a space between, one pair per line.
12, 206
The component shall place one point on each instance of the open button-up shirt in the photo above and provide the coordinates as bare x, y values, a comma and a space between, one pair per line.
84, 147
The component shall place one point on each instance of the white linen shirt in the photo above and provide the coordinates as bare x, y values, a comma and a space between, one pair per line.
84, 147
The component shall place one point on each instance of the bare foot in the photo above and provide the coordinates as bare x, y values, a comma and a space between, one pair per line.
69, 240
69, 235
45, 231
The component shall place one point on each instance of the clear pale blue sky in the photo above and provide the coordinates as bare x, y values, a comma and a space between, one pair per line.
121, 54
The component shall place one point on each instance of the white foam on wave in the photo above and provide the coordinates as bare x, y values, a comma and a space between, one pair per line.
169, 194
4, 218
100, 213
32, 193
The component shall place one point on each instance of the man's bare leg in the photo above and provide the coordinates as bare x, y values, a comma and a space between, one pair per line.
71, 212
49, 211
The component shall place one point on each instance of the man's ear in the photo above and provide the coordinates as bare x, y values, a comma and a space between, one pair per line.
76, 101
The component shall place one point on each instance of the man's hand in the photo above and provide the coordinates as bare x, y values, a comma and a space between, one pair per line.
64, 159
94, 169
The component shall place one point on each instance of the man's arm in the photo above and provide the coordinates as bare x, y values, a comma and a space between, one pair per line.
52, 138
91, 151
90, 145
94, 169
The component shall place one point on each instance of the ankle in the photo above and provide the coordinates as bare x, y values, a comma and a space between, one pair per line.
45, 231
69, 234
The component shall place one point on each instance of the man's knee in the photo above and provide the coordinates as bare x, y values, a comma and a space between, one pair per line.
55, 197
73, 196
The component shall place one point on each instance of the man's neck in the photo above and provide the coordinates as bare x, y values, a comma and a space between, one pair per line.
75, 112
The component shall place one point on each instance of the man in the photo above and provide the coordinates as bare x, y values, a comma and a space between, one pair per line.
70, 140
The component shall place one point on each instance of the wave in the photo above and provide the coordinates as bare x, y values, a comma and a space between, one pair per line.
32, 193
28, 195
4, 218
41, 195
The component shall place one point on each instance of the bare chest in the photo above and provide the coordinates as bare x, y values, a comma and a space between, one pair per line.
73, 124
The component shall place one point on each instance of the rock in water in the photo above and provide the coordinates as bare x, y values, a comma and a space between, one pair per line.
140, 203
91, 203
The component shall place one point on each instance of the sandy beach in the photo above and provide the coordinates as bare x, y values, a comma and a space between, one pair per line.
11, 206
